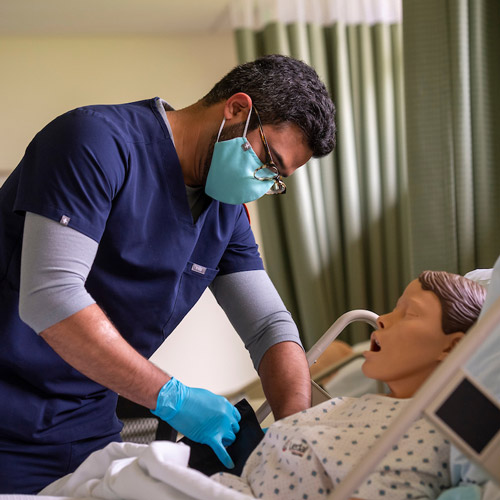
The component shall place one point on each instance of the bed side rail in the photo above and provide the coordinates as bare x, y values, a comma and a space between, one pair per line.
326, 339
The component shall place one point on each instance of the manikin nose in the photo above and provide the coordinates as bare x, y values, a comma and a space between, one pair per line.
381, 322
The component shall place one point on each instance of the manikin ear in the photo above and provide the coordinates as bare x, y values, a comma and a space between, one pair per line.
237, 107
452, 340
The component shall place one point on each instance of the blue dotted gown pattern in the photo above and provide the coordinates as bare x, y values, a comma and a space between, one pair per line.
305, 455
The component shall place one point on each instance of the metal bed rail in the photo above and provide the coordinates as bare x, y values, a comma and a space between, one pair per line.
326, 339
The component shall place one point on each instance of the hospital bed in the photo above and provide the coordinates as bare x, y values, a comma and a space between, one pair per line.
451, 398
442, 389
448, 397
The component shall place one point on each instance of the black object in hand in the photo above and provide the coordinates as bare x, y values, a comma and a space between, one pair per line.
203, 458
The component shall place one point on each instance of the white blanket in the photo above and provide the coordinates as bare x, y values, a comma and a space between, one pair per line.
140, 472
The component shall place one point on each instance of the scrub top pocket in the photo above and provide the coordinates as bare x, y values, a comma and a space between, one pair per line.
194, 281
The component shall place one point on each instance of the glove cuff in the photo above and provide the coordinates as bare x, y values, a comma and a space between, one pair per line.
170, 399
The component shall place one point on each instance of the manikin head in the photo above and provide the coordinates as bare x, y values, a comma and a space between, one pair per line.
433, 314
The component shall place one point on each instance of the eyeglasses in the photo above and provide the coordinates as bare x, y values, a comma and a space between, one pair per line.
260, 174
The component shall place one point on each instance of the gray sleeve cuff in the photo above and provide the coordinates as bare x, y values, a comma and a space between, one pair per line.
55, 263
255, 310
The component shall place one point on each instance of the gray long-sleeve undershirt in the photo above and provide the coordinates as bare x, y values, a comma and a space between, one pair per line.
56, 261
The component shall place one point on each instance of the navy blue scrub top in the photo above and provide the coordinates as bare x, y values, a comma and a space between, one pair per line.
113, 172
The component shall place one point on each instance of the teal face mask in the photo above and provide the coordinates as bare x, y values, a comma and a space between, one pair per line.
231, 175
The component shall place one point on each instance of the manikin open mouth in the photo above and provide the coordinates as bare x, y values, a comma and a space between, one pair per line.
375, 344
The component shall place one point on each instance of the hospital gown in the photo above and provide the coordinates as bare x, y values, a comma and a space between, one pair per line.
305, 455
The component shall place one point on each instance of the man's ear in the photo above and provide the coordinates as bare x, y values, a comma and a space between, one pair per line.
237, 107
452, 340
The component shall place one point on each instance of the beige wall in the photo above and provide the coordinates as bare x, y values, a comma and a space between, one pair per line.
44, 76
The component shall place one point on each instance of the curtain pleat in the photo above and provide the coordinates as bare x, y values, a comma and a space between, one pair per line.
387, 123
403, 214
348, 174
462, 134
246, 44
369, 148
325, 188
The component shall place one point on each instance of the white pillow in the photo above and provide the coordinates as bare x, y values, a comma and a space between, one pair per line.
482, 276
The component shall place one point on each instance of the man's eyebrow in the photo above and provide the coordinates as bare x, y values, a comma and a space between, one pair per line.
278, 160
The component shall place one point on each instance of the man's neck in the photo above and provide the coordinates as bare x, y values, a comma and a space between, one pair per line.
193, 129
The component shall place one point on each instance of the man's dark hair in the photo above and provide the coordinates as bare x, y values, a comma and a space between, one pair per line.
283, 89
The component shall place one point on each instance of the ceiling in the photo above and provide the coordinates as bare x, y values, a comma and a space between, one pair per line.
113, 17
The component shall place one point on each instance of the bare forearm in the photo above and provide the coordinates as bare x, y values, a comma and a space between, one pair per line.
285, 378
90, 343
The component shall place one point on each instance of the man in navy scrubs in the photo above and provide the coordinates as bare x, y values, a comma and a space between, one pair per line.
112, 226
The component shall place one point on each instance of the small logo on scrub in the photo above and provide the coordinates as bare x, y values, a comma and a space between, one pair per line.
298, 449
198, 269
64, 220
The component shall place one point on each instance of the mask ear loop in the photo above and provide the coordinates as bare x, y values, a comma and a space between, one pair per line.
248, 123
220, 129
244, 131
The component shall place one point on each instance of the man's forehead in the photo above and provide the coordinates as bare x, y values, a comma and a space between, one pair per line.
288, 145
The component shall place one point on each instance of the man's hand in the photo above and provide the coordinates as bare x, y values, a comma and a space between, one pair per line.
200, 415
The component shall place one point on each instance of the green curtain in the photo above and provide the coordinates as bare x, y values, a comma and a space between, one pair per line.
452, 74
339, 239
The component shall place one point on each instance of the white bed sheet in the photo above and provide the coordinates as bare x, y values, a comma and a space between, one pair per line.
38, 497
128, 471
140, 472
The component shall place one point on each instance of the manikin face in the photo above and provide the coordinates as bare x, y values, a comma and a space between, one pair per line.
409, 343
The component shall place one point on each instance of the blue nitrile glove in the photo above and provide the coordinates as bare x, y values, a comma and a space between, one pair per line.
200, 415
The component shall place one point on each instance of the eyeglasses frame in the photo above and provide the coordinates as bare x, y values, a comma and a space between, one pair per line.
279, 186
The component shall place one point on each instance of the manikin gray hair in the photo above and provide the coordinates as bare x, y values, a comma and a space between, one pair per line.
461, 298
